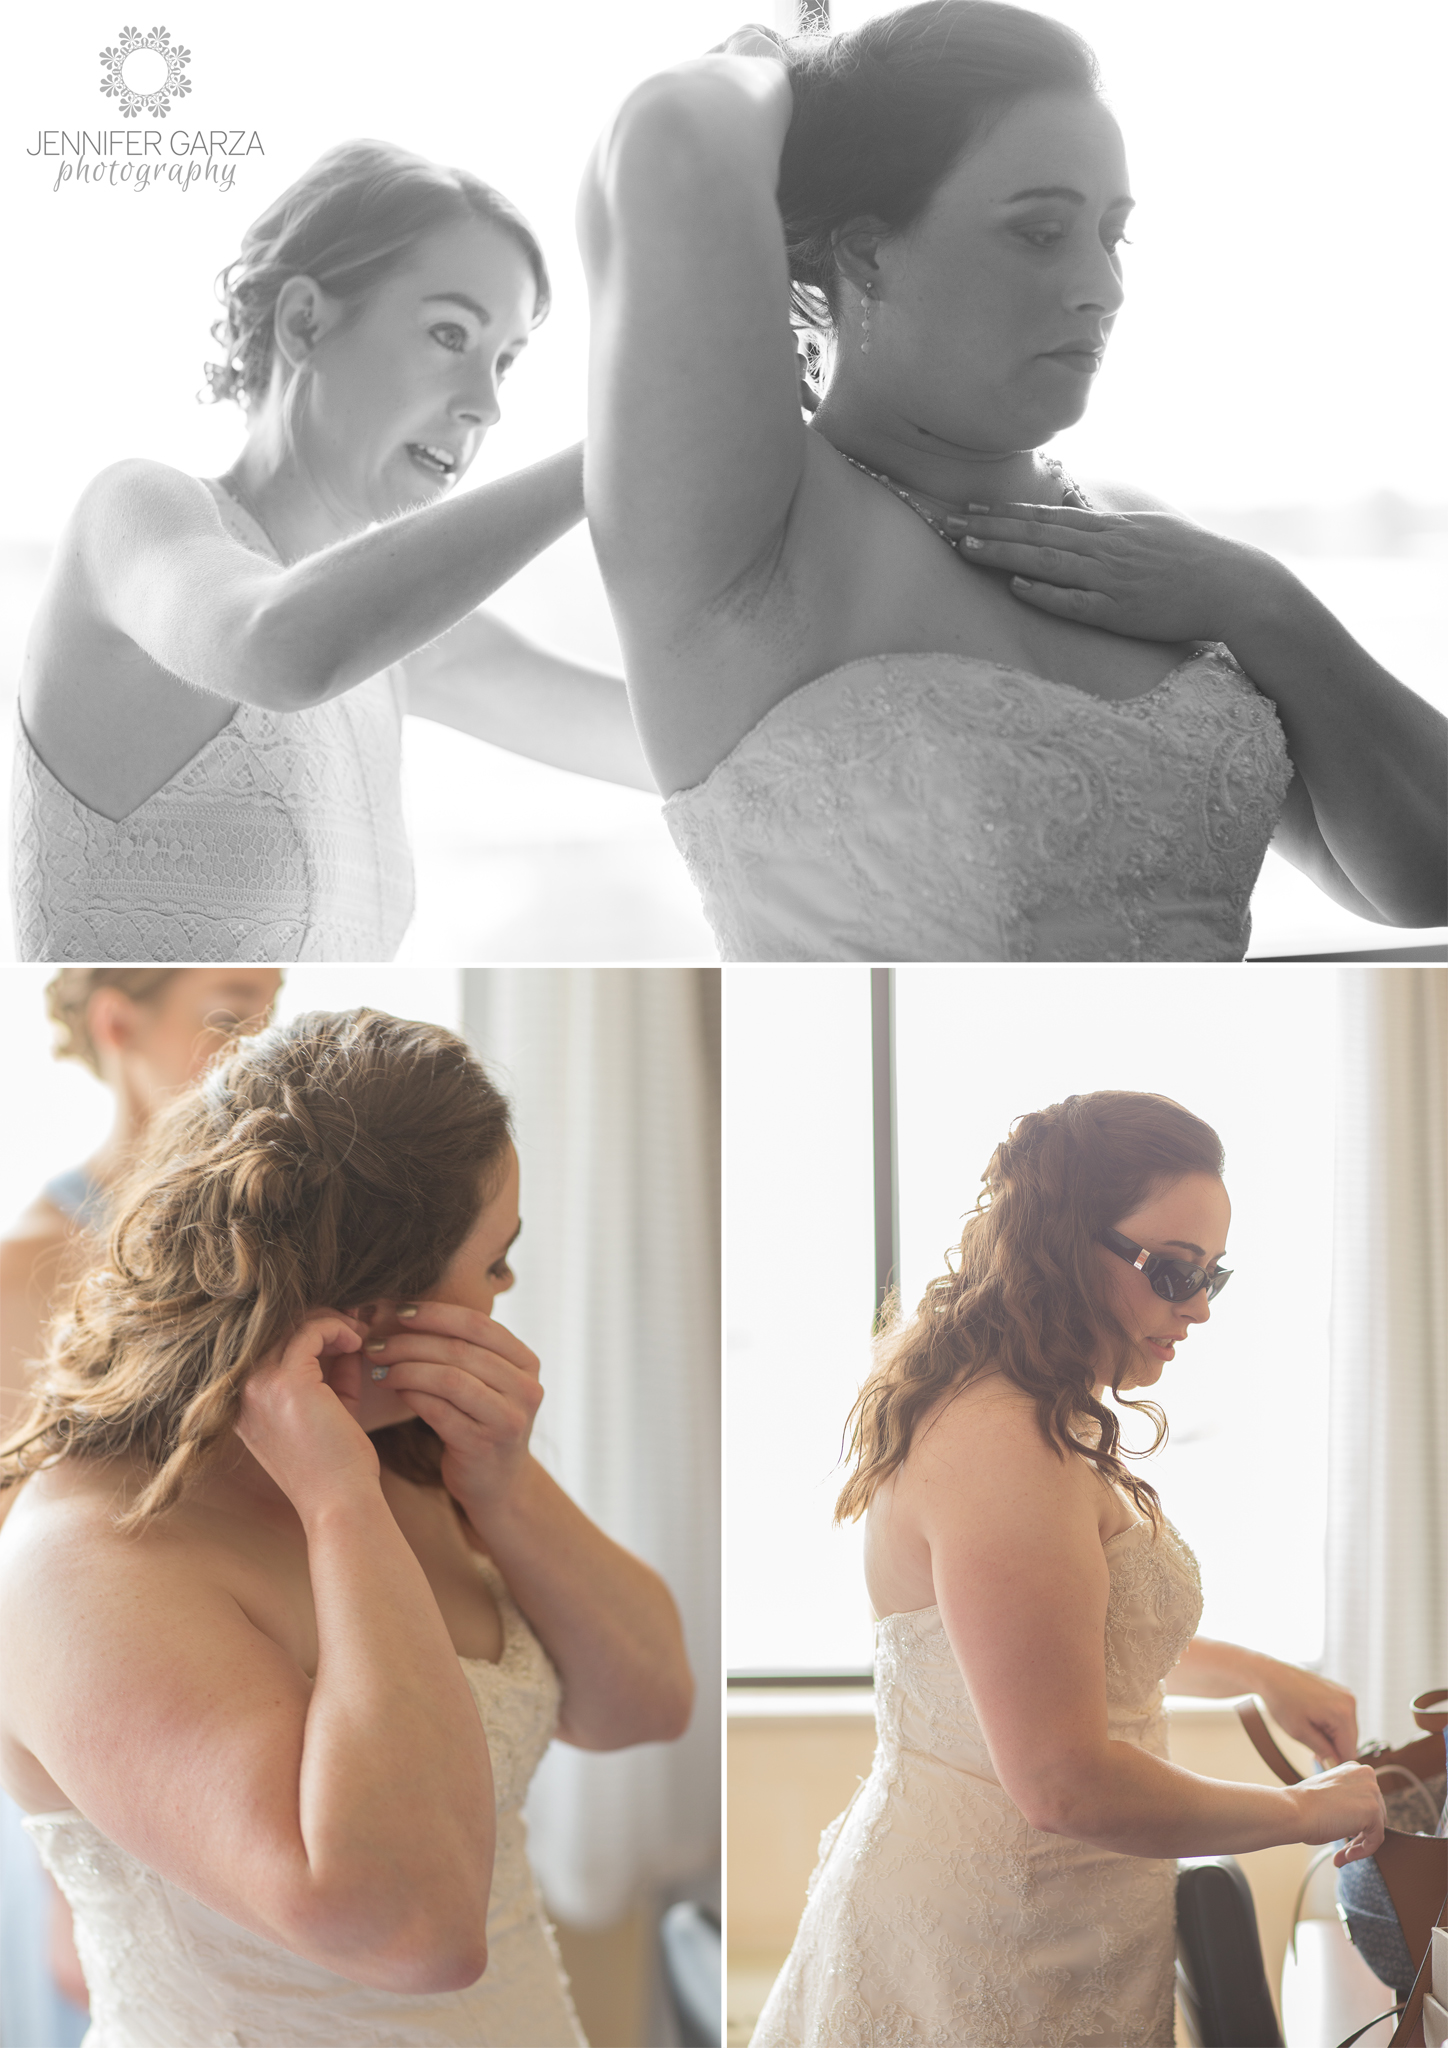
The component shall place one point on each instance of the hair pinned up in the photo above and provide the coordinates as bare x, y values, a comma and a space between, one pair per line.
333, 1160
346, 223
1027, 1297
67, 1000
883, 113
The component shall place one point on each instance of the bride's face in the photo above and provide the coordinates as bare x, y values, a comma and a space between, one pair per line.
1187, 1219
475, 1276
993, 311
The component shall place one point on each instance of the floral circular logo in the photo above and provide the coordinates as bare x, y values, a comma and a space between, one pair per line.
145, 72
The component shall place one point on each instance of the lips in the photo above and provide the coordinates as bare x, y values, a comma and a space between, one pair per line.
436, 460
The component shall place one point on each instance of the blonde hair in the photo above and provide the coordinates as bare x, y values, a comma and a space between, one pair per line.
1027, 1296
327, 1162
67, 1001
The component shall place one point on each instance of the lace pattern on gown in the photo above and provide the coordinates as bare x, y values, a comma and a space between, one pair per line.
939, 807
164, 1971
281, 839
937, 1916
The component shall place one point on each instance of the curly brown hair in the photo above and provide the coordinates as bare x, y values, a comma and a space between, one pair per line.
336, 1159
1026, 1295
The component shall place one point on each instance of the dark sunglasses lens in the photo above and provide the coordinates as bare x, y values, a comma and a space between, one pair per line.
1176, 1282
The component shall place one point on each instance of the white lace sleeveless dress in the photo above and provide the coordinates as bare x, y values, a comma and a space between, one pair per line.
166, 1972
937, 1917
940, 807
282, 839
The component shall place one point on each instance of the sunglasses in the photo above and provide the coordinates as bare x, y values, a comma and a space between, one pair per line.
1172, 1279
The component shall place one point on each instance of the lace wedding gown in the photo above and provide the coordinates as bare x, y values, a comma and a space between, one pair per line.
940, 807
281, 839
937, 1917
166, 1972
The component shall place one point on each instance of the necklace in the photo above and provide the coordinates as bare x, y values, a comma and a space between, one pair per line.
1072, 493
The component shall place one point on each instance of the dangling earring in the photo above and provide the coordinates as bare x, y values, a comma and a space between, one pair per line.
864, 323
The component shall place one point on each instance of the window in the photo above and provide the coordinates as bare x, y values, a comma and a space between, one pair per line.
1243, 1475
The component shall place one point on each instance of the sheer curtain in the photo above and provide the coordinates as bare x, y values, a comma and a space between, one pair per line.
1387, 1541
614, 1075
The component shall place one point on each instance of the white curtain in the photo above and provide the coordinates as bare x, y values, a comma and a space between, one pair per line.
1387, 1540
614, 1076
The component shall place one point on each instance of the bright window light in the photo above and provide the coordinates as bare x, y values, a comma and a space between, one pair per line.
1243, 1475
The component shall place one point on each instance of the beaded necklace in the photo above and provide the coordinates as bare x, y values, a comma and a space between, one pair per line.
1073, 494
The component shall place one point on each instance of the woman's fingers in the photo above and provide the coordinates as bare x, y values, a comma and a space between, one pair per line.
448, 1320
1086, 607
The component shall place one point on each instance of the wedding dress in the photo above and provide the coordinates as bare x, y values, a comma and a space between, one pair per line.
281, 839
937, 1916
167, 1972
941, 807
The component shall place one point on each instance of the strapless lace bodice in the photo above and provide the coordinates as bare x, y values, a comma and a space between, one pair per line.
939, 807
164, 1971
281, 839
937, 1917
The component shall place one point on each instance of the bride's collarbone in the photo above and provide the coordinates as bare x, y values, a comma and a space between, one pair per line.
875, 579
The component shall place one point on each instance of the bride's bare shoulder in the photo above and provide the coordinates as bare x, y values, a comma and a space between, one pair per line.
985, 1441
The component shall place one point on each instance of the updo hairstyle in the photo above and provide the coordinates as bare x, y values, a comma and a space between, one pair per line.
883, 113
67, 1001
334, 1160
1025, 1294
346, 223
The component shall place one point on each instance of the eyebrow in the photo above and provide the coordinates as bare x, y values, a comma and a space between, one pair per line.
1061, 192
512, 1240
1183, 1247
461, 299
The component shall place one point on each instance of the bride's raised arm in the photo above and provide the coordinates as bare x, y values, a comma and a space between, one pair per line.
348, 1817
695, 446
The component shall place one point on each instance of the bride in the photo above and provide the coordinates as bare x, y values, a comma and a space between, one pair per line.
912, 690
208, 760
1005, 1875
288, 1612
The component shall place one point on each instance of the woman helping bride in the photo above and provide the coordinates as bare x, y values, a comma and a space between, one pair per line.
913, 691
288, 1611
1005, 1877
208, 760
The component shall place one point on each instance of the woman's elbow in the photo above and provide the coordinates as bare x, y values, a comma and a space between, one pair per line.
270, 670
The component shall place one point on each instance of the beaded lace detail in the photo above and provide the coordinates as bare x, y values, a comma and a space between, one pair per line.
941, 807
164, 1971
937, 1917
281, 839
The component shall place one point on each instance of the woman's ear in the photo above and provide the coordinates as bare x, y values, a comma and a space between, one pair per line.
857, 255
304, 313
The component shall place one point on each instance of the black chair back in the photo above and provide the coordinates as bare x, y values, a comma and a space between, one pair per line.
1220, 1979
692, 1971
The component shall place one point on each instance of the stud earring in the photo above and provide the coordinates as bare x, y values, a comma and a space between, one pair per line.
864, 323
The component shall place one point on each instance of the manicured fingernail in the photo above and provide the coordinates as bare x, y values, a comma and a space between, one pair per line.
977, 508
1020, 582
404, 1313
380, 1372
375, 1344
970, 541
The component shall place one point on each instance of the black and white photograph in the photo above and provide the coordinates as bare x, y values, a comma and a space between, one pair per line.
485, 486
723, 1015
